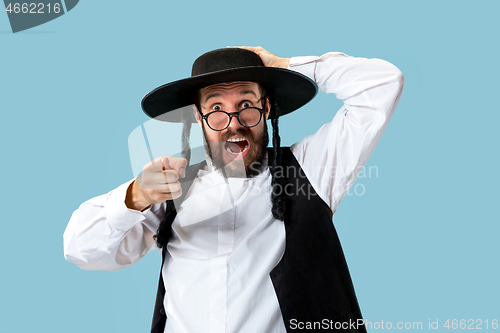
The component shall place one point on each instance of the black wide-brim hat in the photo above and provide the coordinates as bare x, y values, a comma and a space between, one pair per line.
291, 90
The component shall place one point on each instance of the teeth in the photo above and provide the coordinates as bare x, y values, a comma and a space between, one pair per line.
236, 139
230, 151
233, 153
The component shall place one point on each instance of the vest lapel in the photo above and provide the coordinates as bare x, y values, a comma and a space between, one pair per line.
312, 280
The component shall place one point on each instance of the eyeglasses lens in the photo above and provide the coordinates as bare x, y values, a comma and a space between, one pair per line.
218, 120
249, 117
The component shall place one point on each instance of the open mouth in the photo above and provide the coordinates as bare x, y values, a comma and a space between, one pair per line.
235, 146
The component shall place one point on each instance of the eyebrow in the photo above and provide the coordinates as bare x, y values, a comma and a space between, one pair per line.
242, 93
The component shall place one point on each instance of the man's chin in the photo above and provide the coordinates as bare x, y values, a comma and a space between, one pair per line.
230, 167
240, 167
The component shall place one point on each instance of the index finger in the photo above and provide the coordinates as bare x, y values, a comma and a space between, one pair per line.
175, 163
250, 48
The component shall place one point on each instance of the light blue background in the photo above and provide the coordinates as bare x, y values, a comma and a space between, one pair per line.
422, 242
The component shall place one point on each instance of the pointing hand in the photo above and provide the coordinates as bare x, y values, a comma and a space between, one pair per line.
158, 182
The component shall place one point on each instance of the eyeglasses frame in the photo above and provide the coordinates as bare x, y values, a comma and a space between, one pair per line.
237, 114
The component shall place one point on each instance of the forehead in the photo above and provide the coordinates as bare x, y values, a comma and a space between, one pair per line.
226, 88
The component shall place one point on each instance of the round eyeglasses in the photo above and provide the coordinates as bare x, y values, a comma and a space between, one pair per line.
220, 120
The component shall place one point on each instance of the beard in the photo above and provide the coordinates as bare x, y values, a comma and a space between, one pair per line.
251, 166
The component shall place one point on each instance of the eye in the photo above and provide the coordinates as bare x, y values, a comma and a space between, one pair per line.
246, 104
216, 107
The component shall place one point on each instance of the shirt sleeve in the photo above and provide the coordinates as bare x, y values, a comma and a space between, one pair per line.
103, 234
370, 89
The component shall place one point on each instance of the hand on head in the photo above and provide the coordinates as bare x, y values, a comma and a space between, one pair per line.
159, 182
268, 59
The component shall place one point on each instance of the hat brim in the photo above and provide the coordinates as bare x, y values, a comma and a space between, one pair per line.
290, 89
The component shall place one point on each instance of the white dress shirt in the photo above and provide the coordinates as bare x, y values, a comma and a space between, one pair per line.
226, 241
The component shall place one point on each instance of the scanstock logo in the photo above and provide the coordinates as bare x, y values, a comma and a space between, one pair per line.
26, 15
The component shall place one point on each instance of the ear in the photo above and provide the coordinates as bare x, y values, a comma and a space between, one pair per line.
268, 108
197, 115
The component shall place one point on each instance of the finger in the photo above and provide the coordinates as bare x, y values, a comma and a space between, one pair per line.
178, 164
173, 187
158, 179
153, 166
170, 176
155, 189
165, 163
160, 196
241, 47
163, 188
255, 49
169, 189
174, 195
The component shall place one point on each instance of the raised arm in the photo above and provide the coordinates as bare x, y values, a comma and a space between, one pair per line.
370, 89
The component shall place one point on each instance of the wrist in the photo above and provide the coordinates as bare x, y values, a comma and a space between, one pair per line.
285, 62
134, 198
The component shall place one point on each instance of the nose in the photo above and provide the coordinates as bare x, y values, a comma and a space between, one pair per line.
233, 120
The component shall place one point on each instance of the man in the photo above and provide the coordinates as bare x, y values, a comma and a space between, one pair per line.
247, 239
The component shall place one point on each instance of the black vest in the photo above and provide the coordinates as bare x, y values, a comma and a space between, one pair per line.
312, 281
